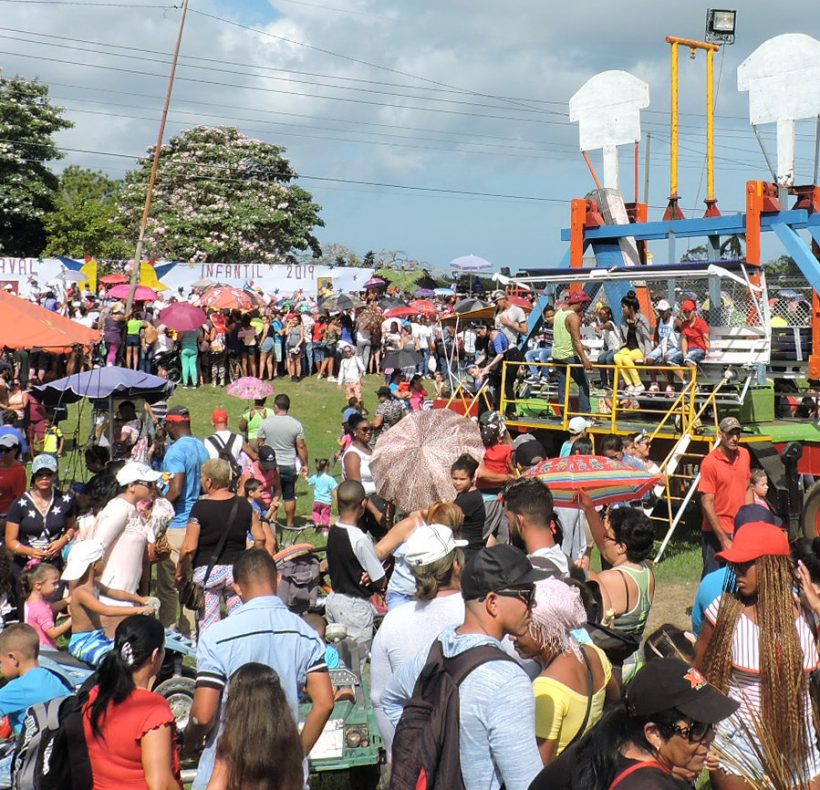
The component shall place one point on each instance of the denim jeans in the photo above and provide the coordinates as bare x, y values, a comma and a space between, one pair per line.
579, 376
606, 358
308, 359
538, 355
363, 350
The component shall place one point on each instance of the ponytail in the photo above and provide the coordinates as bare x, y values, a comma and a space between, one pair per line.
135, 640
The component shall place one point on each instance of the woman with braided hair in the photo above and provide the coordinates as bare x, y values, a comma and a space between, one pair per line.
757, 646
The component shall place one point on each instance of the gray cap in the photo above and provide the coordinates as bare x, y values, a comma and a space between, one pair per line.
9, 440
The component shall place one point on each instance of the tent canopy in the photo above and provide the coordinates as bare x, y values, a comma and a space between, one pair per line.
24, 324
104, 383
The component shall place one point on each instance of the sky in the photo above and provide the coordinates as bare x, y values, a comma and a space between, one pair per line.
435, 128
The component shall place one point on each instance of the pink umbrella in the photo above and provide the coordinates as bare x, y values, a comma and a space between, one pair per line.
142, 293
224, 298
113, 279
183, 317
250, 388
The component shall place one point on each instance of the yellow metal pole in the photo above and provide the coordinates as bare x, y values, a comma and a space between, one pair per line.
566, 395
673, 156
710, 125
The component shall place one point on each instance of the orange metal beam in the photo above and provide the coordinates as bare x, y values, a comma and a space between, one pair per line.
577, 221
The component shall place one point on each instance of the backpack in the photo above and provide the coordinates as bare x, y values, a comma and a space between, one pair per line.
224, 453
51, 751
426, 742
299, 576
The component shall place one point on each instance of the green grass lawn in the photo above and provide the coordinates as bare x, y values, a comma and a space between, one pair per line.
318, 405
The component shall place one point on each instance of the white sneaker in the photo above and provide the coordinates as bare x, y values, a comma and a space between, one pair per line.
629, 392
332, 378
638, 390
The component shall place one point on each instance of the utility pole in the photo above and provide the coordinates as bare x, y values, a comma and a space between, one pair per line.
135, 274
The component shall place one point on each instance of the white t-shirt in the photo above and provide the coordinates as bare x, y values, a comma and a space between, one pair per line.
513, 314
234, 447
404, 631
422, 333
555, 555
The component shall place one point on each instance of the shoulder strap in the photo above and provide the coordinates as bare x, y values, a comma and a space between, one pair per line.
631, 770
590, 692
458, 667
624, 575
222, 540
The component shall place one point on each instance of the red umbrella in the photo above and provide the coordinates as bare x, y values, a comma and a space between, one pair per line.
401, 312
142, 294
423, 306
225, 298
183, 317
114, 279
520, 301
605, 480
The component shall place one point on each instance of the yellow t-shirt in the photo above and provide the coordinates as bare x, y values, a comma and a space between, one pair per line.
559, 710
51, 440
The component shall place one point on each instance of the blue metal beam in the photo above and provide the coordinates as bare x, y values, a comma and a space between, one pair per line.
707, 226
800, 251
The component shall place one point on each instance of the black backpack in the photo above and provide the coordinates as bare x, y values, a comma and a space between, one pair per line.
51, 751
426, 743
223, 451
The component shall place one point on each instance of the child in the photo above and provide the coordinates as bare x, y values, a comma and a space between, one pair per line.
758, 488
417, 393
319, 624
442, 390
497, 467
89, 641
39, 585
354, 406
27, 682
324, 485
254, 491
53, 441
156, 452
351, 370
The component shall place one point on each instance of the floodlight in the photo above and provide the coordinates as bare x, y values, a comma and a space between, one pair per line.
720, 26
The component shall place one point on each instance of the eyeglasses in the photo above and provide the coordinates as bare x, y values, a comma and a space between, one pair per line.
524, 594
145, 483
696, 732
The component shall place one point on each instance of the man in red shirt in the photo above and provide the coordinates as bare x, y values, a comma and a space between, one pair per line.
12, 472
694, 337
724, 483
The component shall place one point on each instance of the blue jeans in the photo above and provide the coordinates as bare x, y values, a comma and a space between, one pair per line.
538, 355
579, 376
308, 358
606, 358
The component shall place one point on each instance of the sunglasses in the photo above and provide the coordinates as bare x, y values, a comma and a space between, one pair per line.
696, 732
366, 429
524, 594
143, 483
13, 449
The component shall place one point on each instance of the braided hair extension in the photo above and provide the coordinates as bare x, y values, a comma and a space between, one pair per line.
782, 679
781, 657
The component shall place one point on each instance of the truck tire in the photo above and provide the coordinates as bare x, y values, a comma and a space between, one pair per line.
179, 691
810, 517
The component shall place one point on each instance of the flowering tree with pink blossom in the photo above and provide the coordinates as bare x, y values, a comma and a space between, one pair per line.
221, 196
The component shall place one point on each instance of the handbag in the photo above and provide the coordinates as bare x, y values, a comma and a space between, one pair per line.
191, 593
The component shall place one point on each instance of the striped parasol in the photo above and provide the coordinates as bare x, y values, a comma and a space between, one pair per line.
411, 461
604, 480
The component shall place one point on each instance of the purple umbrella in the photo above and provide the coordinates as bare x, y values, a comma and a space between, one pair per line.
424, 293
374, 282
183, 317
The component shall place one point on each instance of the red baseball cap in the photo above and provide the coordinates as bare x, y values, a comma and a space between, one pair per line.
579, 297
688, 304
757, 539
219, 415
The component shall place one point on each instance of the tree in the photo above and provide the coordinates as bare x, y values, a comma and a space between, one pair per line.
369, 260
84, 220
784, 265
28, 122
334, 254
221, 196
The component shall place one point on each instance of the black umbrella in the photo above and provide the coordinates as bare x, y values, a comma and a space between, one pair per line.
399, 360
389, 302
468, 305
342, 302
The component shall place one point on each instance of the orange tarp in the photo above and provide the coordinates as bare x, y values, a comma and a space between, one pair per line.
24, 324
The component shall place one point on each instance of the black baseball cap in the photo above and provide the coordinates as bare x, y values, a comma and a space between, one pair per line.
527, 453
498, 568
670, 683
267, 458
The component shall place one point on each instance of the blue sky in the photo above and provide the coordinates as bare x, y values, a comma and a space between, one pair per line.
462, 95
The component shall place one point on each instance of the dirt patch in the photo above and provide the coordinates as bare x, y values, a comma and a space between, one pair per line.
672, 604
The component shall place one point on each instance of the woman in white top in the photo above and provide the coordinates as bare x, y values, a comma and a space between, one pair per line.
757, 646
434, 560
122, 533
356, 459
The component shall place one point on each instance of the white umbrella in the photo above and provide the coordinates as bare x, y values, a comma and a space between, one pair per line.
470, 263
72, 276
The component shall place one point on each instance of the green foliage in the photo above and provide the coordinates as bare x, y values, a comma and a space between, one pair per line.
403, 279
28, 122
84, 219
369, 260
783, 265
221, 196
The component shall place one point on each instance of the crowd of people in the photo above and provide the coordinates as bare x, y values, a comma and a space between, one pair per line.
529, 618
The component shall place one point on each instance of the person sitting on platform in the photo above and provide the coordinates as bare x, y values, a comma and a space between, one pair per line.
667, 347
694, 341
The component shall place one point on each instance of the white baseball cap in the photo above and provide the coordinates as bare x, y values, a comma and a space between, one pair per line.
430, 543
578, 425
663, 305
82, 554
133, 471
